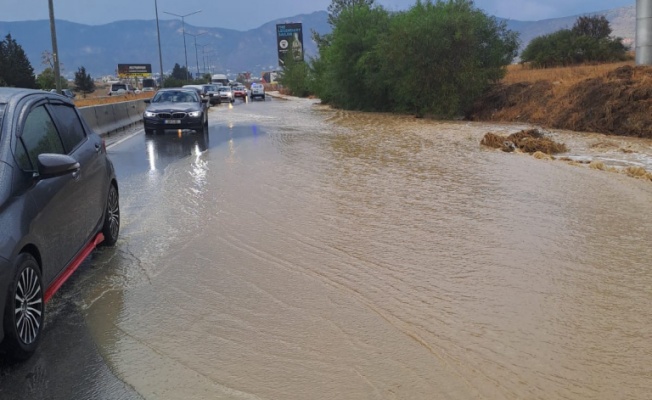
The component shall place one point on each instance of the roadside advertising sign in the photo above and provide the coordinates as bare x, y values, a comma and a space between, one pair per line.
134, 70
289, 38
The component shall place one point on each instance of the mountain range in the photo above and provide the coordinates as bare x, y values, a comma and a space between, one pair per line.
100, 48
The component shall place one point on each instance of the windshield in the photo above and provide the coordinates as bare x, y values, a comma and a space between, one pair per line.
173, 96
224, 89
118, 87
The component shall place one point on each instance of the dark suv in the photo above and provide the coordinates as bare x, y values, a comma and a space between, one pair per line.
58, 200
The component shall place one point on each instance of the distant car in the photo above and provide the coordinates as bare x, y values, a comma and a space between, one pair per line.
119, 88
65, 92
175, 108
214, 95
226, 94
239, 91
206, 91
58, 197
257, 90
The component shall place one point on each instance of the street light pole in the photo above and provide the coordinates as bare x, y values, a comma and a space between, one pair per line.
203, 53
55, 50
196, 57
183, 29
158, 34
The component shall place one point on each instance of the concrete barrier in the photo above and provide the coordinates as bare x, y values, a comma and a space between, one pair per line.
108, 118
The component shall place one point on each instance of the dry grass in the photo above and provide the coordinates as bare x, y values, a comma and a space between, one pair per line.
529, 141
638, 172
97, 99
493, 140
611, 98
597, 165
564, 76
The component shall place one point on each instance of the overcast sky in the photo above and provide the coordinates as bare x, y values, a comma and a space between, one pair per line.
248, 14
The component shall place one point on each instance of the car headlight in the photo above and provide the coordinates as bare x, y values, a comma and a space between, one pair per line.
149, 114
195, 114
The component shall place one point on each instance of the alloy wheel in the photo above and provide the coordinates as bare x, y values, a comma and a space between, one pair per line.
28, 306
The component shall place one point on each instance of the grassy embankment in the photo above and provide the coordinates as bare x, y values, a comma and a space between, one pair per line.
610, 98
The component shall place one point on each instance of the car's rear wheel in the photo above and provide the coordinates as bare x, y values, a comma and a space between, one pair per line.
24, 309
111, 228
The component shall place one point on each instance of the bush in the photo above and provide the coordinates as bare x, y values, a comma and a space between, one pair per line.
435, 58
588, 41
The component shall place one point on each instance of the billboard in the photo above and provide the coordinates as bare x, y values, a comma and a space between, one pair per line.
134, 70
289, 39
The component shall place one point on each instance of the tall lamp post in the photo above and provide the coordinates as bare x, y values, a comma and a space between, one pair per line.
158, 34
203, 53
55, 50
183, 29
196, 57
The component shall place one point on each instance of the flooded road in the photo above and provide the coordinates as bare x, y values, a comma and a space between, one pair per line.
296, 252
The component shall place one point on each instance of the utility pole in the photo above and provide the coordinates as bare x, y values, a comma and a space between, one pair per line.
643, 32
55, 50
183, 30
158, 34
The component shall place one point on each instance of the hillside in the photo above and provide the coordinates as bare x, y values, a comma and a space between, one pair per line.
614, 99
100, 48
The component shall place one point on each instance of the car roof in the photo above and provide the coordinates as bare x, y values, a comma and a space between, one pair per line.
9, 93
176, 89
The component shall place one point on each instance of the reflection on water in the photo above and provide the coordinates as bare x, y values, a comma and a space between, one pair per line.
309, 253
168, 147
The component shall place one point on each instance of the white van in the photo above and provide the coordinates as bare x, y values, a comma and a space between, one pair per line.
119, 89
257, 90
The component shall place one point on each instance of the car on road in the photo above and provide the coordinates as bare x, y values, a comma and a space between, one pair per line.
175, 108
257, 90
58, 200
226, 94
65, 92
120, 89
240, 91
214, 95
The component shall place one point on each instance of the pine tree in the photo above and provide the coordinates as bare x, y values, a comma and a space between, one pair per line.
15, 68
83, 81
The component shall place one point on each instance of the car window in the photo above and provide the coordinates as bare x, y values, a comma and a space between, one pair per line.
39, 136
71, 129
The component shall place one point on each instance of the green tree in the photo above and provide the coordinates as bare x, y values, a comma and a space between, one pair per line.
353, 76
180, 73
596, 27
171, 81
15, 68
46, 79
337, 6
588, 41
83, 81
296, 76
443, 55
435, 58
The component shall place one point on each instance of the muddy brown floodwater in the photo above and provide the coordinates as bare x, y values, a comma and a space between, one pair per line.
306, 253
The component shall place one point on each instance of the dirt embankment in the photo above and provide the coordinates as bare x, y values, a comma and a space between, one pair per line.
616, 101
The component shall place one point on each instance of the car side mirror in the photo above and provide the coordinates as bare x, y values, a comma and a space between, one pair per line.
148, 101
53, 165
